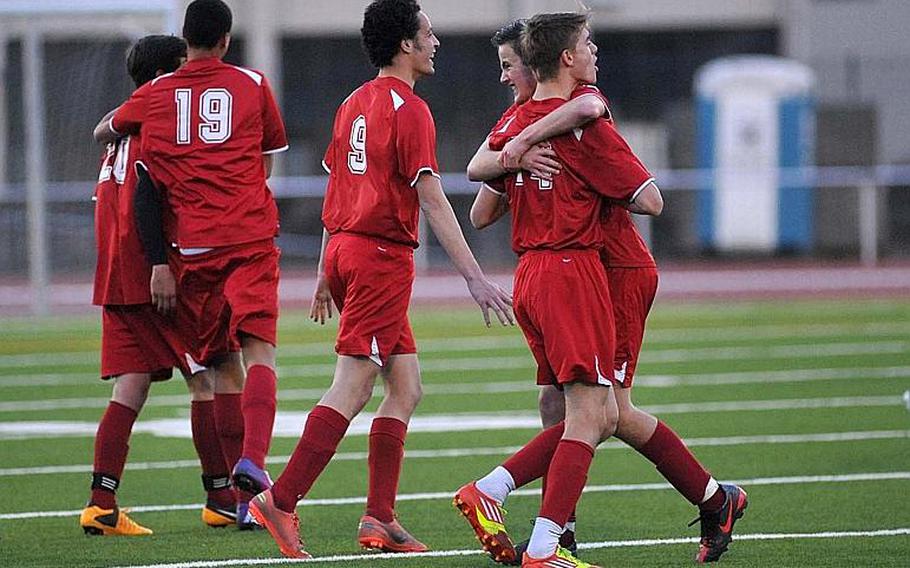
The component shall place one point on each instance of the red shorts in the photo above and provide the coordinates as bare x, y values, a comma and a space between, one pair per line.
225, 293
632, 291
137, 339
562, 303
371, 280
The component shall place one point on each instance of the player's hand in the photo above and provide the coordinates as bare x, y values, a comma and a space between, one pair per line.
322, 301
511, 154
163, 287
490, 296
541, 161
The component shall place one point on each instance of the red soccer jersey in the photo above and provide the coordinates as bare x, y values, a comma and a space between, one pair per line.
205, 128
122, 273
383, 139
509, 114
565, 212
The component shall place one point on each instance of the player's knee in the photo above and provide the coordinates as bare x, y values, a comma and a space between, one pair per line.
610, 424
131, 390
201, 387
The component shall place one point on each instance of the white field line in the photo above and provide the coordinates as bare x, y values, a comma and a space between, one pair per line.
644, 381
826, 437
447, 495
712, 335
288, 424
586, 546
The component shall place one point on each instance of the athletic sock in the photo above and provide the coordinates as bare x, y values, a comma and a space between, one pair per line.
565, 481
258, 407
229, 425
215, 472
678, 466
387, 436
532, 461
111, 448
325, 427
497, 484
544, 538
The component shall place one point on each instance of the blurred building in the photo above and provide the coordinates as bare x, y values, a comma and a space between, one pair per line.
649, 53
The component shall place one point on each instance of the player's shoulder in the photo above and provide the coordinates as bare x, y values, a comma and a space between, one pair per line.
243, 74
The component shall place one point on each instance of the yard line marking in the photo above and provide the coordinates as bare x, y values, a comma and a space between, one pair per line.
496, 451
586, 546
289, 424
447, 495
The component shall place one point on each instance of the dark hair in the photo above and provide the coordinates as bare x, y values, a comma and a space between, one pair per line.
386, 23
546, 36
510, 34
206, 22
152, 53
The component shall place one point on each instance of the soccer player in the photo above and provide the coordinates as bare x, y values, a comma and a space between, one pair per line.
382, 169
209, 131
139, 345
632, 276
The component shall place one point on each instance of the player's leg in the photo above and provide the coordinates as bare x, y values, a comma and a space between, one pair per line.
229, 377
258, 406
379, 527
352, 388
102, 515
221, 505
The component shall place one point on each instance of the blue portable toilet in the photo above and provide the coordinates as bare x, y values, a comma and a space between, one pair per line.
755, 115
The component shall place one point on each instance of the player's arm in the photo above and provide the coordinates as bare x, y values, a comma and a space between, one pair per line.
322, 296
539, 160
103, 133
489, 206
441, 218
268, 161
147, 211
647, 200
573, 114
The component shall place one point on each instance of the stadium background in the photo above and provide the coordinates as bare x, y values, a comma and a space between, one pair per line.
649, 54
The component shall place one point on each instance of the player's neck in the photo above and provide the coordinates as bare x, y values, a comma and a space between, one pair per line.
197, 53
404, 72
560, 87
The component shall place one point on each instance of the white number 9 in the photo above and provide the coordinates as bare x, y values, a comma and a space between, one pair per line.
357, 158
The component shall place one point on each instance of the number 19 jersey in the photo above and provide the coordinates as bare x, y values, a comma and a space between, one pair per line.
383, 140
204, 131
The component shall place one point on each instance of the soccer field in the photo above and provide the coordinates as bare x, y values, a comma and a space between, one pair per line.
797, 401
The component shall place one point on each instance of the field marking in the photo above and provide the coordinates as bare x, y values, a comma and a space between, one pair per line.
289, 424
826, 437
447, 495
585, 546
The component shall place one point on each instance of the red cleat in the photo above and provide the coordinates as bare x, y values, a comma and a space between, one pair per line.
284, 527
487, 519
373, 534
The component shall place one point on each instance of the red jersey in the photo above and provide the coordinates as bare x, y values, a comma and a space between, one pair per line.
565, 212
579, 91
205, 128
122, 274
383, 139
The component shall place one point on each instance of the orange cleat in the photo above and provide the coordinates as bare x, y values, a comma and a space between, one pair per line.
486, 518
373, 534
110, 522
218, 516
284, 527
562, 558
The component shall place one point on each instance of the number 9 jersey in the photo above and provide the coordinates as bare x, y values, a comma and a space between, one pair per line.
204, 130
383, 139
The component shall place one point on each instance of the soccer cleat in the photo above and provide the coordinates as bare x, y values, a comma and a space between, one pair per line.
717, 527
567, 541
562, 558
486, 518
284, 527
110, 522
218, 516
246, 521
373, 534
248, 477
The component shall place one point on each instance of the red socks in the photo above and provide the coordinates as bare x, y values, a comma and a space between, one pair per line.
325, 427
531, 462
229, 425
258, 409
386, 453
566, 479
215, 472
111, 447
677, 464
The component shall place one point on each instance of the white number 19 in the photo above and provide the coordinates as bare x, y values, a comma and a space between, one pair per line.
215, 109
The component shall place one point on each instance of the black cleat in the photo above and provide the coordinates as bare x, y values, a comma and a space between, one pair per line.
717, 527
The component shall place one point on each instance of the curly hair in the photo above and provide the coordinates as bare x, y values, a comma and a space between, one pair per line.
152, 53
386, 23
